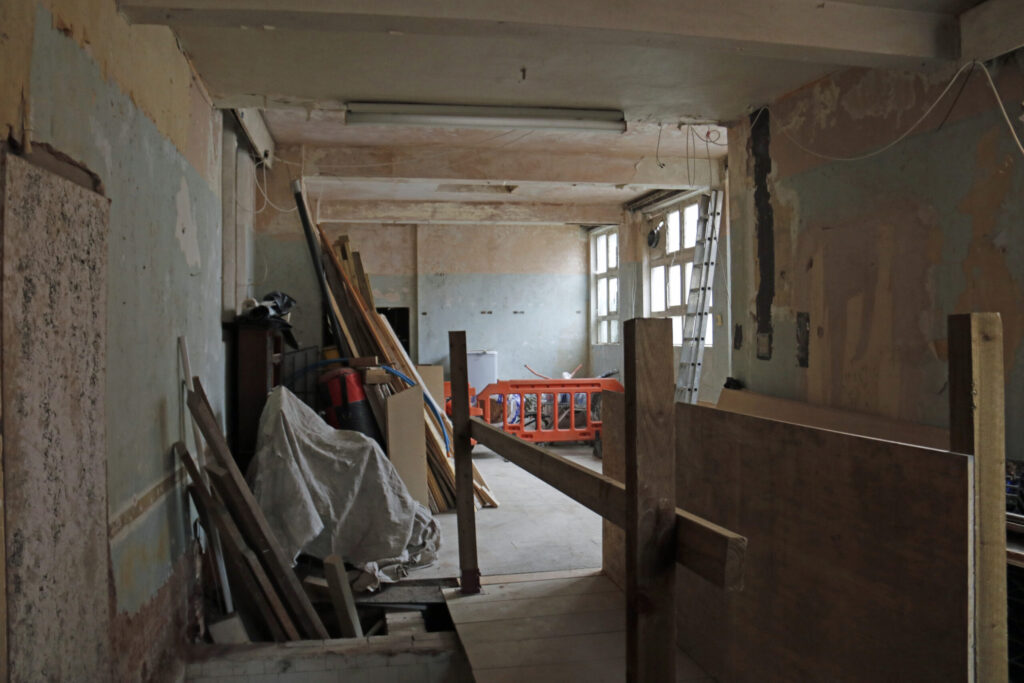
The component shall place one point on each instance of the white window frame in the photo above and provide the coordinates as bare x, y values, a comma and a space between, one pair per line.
605, 329
660, 257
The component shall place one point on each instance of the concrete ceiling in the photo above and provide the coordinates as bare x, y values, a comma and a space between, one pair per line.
657, 60
662, 62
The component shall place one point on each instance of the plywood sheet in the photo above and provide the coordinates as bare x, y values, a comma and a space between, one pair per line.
540, 624
550, 628
824, 417
858, 560
54, 441
407, 447
433, 380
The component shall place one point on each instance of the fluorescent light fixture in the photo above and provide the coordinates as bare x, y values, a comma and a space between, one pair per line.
467, 116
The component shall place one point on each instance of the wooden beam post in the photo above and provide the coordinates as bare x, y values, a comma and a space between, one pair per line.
465, 506
650, 501
977, 423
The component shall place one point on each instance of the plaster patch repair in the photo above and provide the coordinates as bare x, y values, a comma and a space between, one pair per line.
186, 229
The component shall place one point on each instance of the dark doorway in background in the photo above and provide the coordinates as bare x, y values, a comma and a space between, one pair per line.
399, 319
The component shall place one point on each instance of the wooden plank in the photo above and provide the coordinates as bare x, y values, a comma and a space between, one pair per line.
596, 670
376, 376
363, 280
467, 611
650, 501
554, 631
341, 597
595, 491
406, 446
544, 651
255, 588
516, 590
250, 518
433, 382
977, 415
215, 519
714, 553
858, 564
197, 438
410, 623
492, 579
825, 417
464, 496
613, 465
228, 631
547, 626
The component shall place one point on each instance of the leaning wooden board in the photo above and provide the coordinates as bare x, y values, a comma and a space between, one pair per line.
858, 564
247, 513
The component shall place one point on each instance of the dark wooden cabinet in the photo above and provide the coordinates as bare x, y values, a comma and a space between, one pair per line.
255, 369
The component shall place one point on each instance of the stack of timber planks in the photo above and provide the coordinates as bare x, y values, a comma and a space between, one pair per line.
264, 585
367, 333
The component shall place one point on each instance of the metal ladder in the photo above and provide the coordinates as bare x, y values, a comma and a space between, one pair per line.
702, 277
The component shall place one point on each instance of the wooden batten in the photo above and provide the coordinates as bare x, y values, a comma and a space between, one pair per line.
464, 503
977, 415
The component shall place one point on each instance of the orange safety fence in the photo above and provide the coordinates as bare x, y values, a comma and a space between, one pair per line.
549, 410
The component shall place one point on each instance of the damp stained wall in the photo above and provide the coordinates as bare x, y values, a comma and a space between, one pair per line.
122, 101
879, 252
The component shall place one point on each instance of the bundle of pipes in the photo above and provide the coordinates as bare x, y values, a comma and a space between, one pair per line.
360, 331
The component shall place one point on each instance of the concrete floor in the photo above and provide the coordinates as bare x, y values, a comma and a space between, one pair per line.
535, 528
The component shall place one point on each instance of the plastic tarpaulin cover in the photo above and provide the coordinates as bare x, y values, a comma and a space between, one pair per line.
326, 490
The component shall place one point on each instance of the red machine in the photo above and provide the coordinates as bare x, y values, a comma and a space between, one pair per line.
547, 410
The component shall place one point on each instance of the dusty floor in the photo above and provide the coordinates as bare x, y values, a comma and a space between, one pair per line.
535, 528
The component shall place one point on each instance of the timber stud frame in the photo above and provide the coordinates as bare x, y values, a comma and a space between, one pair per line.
659, 534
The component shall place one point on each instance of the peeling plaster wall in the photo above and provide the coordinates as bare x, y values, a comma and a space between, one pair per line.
880, 251
122, 101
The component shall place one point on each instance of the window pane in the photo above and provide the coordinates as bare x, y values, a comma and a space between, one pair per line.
658, 289
602, 332
601, 261
614, 326
613, 250
672, 238
677, 330
690, 214
602, 297
686, 282
675, 285
613, 295
709, 331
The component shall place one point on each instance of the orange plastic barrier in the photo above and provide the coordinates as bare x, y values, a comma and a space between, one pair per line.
547, 410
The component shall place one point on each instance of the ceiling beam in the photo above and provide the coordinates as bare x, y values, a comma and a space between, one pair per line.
991, 29
469, 213
809, 30
255, 129
509, 166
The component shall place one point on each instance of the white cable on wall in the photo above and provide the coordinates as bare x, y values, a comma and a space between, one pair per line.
919, 121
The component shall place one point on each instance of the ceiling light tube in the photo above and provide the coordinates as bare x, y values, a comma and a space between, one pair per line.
467, 116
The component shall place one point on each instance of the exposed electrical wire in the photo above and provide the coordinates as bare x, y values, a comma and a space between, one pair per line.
266, 199
999, 101
707, 149
657, 150
959, 94
919, 121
